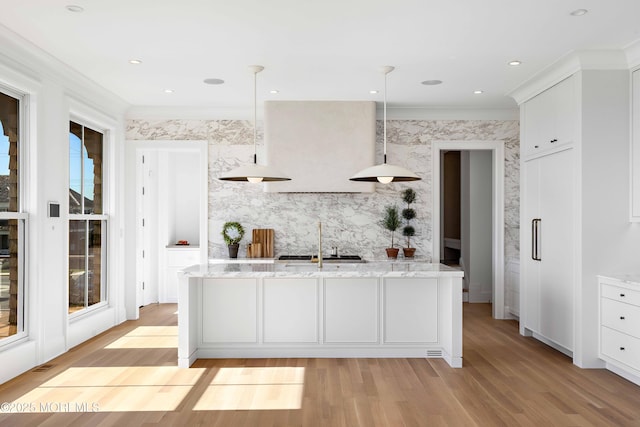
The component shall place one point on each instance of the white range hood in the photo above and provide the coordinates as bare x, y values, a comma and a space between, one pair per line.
320, 144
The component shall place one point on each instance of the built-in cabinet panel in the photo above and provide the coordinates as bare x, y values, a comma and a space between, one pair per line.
548, 213
229, 311
351, 310
410, 310
635, 146
290, 310
550, 119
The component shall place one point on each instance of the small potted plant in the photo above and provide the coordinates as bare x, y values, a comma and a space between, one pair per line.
232, 232
408, 213
391, 221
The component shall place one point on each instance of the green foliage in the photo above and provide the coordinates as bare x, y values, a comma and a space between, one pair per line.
409, 196
232, 232
408, 213
408, 231
391, 220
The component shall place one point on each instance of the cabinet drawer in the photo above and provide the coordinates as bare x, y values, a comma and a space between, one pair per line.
621, 347
621, 294
620, 316
182, 257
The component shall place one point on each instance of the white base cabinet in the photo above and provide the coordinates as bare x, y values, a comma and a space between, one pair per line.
244, 317
619, 319
177, 258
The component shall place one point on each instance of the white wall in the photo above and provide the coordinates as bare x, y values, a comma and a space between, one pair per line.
55, 93
611, 244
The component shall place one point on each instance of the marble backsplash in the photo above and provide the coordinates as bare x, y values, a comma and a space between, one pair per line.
349, 220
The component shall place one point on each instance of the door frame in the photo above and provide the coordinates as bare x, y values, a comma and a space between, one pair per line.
133, 294
497, 151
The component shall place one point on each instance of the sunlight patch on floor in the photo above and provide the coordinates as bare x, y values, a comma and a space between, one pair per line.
148, 337
112, 389
254, 389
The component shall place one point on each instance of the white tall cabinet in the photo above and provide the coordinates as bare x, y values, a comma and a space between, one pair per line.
635, 147
575, 137
548, 236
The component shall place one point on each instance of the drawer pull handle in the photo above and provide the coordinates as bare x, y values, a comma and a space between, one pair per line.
536, 146
621, 317
622, 295
621, 348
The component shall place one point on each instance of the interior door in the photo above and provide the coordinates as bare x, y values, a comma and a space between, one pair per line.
146, 202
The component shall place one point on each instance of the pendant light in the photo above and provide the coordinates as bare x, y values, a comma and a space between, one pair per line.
254, 173
385, 173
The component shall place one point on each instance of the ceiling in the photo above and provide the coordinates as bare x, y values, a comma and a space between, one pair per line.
318, 50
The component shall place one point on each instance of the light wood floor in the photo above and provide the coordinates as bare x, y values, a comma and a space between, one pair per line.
128, 375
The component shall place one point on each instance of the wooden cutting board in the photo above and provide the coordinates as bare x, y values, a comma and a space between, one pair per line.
265, 236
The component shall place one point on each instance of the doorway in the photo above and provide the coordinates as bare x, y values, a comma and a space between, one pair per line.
447, 249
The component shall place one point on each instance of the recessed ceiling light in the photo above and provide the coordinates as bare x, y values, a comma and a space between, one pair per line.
431, 82
168, 91
274, 91
478, 92
135, 61
214, 81
373, 92
74, 8
514, 63
579, 12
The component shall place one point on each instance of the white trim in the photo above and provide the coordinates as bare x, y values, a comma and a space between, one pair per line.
497, 149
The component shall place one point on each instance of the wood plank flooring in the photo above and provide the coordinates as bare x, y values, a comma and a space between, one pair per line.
507, 380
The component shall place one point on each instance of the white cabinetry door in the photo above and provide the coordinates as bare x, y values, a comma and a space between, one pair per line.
177, 259
635, 147
410, 310
548, 249
290, 310
229, 311
351, 310
549, 119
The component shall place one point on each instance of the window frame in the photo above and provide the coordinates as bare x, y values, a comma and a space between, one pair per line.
20, 215
105, 288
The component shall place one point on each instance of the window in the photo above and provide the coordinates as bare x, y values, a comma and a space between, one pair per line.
87, 222
12, 219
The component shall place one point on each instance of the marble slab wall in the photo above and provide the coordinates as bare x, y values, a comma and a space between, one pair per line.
349, 221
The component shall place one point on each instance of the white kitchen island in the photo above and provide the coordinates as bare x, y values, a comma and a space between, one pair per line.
380, 309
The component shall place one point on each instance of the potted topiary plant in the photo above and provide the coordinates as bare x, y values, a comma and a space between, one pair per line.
408, 213
232, 232
391, 221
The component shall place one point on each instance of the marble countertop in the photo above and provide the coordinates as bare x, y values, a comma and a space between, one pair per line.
629, 279
368, 269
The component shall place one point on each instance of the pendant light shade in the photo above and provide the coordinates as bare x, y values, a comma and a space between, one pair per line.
385, 173
253, 172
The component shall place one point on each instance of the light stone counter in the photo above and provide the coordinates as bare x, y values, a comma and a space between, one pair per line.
374, 309
628, 279
300, 269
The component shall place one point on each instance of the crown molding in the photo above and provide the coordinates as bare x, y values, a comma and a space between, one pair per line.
568, 65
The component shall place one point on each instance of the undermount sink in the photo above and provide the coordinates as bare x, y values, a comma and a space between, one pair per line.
312, 258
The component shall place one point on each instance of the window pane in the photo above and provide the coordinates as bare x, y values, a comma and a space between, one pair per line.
75, 168
92, 172
10, 287
95, 262
9, 175
77, 265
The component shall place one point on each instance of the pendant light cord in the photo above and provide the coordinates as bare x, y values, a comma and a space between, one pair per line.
255, 114
385, 116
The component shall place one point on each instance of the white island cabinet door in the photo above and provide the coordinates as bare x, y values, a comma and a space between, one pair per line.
410, 310
290, 310
351, 310
229, 311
